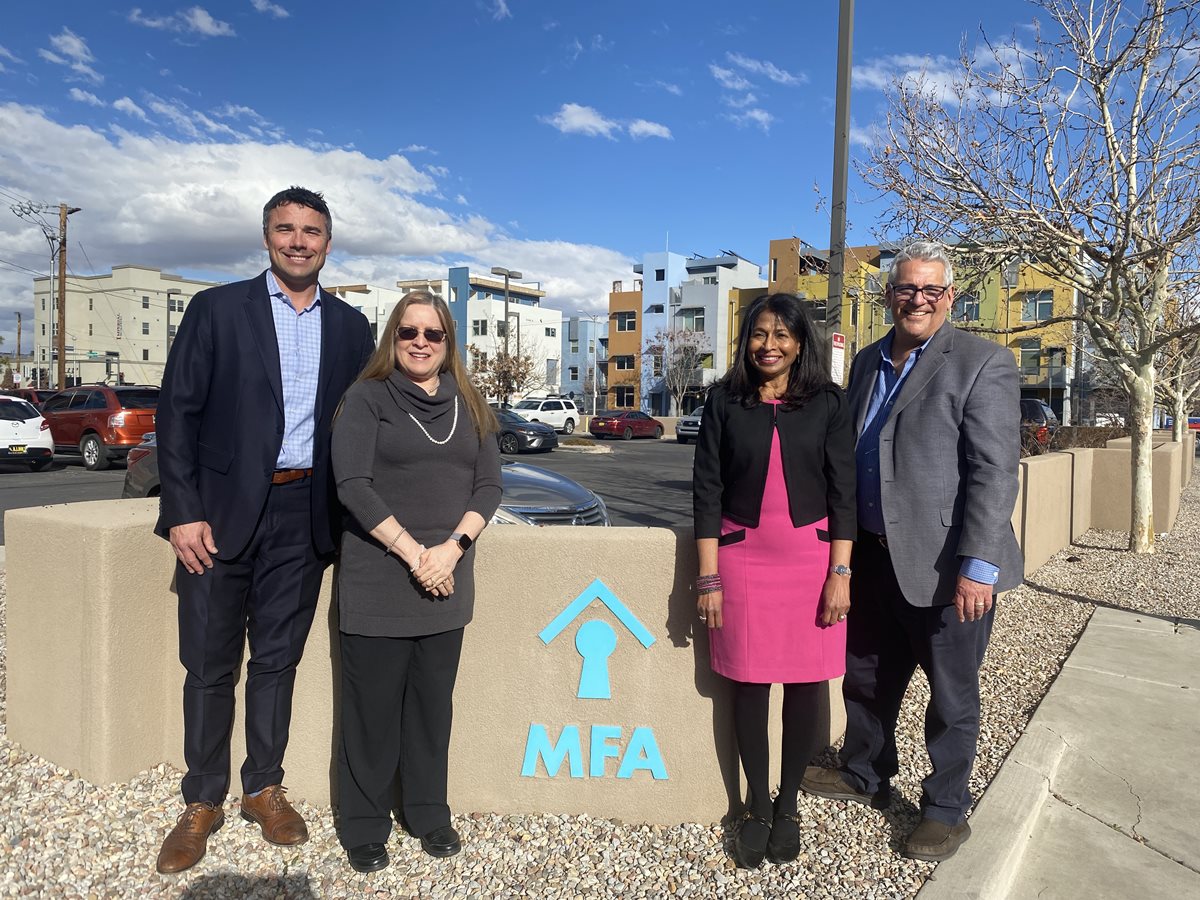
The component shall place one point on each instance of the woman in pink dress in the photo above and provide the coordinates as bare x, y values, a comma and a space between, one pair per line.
773, 496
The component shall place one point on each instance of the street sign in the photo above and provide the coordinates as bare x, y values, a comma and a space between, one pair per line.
837, 359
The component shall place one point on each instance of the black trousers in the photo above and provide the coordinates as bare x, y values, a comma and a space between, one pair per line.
397, 708
268, 594
886, 640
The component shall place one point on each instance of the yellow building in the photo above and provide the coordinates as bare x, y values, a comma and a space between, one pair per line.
624, 347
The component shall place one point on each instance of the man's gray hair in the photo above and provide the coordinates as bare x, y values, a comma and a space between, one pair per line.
925, 251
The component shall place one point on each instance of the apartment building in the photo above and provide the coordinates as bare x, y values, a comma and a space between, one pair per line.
673, 295
585, 361
119, 326
477, 304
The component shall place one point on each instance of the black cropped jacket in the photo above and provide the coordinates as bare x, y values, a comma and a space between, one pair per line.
733, 450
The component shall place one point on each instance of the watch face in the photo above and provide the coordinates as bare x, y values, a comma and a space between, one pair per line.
465, 542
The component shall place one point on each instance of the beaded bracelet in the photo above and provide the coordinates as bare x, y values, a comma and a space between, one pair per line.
707, 580
709, 590
396, 538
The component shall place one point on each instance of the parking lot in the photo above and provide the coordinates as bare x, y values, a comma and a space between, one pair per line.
644, 482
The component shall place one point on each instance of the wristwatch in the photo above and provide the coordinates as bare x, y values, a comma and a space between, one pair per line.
839, 570
464, 541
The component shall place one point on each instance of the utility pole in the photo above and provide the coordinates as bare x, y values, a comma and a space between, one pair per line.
61, 344
18, 342
841, 163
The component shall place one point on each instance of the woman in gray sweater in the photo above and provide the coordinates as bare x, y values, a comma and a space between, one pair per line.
418, 471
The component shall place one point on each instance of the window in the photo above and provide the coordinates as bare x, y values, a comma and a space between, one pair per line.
502, 329
43, 329
624, 363
1031, 356
966, 309
551, 332
656, 364
572, 373
774, 270
89, 329
145, 355
171, 330
145, 302
573, 347
624, 398
1038, 307
479, 327
709, 279
660, 274
174, 304
145, 328
692, 319
654, 308
626, 321
43, 304
90, 307
1011, 272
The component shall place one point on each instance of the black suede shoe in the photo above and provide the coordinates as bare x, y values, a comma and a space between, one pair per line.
367, 857
784, 845
750, 845
442, 841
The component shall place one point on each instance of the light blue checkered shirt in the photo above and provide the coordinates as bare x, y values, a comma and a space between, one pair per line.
299, 337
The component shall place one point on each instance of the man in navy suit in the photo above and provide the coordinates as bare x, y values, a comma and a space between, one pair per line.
938, 421
248, 504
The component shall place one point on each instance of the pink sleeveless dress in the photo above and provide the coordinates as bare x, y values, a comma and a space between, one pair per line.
772, 577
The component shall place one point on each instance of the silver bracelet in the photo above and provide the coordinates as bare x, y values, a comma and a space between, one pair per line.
396, 538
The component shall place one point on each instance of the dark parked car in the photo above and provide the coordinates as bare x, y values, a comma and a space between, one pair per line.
36, 396
1038, 424
518, 433
531, 496
626, 424
100, 422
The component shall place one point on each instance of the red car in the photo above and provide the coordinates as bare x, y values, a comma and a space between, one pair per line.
100, 422
626, 424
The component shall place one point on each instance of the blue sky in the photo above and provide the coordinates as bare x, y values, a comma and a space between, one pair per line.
563, 139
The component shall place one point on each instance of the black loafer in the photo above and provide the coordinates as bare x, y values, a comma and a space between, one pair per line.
441, 842
784, 843
750, 845
367, 857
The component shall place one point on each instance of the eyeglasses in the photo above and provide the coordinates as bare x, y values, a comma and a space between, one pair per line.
931, 292
409, 333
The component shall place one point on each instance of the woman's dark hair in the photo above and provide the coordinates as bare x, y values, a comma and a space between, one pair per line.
809, 373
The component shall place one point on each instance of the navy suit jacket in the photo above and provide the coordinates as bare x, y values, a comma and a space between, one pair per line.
220, 413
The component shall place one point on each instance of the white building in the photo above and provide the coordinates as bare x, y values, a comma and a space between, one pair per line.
118, 326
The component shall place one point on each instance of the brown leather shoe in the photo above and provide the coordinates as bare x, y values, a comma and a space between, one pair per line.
281, 824
188, 840
832, 785
935, 841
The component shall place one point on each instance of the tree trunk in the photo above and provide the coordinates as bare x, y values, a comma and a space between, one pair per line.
1180, 424
1141, 413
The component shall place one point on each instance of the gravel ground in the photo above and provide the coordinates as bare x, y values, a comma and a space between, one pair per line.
63, 837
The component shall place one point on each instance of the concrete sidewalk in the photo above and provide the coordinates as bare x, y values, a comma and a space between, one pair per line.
1100, 798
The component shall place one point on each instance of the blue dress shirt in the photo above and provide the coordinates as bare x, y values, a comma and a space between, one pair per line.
866, 453
299, 337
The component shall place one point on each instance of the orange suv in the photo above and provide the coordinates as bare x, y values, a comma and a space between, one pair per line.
100, 422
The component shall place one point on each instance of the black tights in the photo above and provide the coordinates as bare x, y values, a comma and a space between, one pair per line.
751, 706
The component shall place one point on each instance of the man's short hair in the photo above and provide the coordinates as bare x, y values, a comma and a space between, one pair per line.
301, 197
924, 251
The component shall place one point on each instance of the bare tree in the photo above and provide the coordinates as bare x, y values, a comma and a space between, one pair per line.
677, 356
504, 374
1079, 153
1177, 366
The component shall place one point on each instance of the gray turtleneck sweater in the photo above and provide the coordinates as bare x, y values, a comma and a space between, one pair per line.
384, 464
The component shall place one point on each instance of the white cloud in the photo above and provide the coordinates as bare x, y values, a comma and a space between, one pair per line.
130, 108
437, 171
640, 128
864, 136
766, 69
85, 97
573, 118
670, 88
195, 207
461, 200
272, 9
72, 51
500, 10
5, 53
417, 148
740, 102
600, 45
728, 79
938, 74
194, 20
759, 118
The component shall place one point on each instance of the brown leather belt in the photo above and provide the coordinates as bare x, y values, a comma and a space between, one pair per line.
286, 476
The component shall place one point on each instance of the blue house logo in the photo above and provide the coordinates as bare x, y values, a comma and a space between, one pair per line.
595, 640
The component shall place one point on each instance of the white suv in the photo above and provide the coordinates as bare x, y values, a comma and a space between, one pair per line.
557, 412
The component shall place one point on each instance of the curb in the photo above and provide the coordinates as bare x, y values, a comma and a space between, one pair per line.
1005, 818
595, 448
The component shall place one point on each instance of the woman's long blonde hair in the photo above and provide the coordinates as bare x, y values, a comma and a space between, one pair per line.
383, 361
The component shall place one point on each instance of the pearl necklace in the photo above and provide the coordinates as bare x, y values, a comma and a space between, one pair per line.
453, 425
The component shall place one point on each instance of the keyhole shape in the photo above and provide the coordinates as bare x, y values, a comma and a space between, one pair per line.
595, 641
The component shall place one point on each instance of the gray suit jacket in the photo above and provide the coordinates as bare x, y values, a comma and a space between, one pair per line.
948, 459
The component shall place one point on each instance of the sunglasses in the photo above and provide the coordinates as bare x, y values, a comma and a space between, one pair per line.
409, 333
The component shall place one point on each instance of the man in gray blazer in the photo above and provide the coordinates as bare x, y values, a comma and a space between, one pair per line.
938, 424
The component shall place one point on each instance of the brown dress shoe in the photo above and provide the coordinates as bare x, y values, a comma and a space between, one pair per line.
935, 841
281, 824
188, 840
